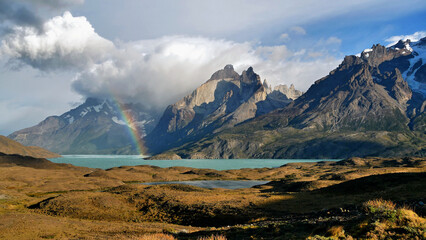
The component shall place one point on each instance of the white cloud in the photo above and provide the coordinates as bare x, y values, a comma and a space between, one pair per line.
334, 41
66, 42
285, 37
413, 37
156, 72
161, 71
298, 30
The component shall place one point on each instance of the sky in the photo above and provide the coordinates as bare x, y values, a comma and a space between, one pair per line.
56, 53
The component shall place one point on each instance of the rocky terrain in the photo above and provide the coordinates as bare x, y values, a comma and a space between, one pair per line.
225, 100
41, 199
8, 146
370, 105
95, 127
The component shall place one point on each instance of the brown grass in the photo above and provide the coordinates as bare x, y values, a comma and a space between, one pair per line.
157, 236
376, 205
336, 231
86, 203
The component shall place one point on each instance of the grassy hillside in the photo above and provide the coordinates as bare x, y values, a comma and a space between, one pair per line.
8, 146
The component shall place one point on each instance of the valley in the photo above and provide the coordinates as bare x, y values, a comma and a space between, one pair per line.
48, 200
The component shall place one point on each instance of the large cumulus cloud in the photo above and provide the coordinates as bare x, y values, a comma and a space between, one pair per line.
65, 42
155, 72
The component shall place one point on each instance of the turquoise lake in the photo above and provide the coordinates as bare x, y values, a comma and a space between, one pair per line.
110, 161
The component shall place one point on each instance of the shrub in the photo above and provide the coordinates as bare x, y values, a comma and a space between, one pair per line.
381, 209
336, 231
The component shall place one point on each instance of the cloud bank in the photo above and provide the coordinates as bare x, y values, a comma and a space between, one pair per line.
155, 72
413, 37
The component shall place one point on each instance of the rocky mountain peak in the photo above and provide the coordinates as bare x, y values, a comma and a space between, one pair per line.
227, 72
229, 67
291, 93
402, 44
378, 54
222, 102
350, 61
266, 86
249, 77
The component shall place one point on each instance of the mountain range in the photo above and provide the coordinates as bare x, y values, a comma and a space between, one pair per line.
371, 104
103, 126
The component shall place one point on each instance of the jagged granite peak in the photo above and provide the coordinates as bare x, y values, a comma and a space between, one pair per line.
371, 105
379, 54
226, 73
95, 127
225, 100
291, 93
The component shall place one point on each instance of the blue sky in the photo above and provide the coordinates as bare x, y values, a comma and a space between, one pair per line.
56, 53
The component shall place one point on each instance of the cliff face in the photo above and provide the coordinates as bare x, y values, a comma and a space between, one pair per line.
369, 105
225, 100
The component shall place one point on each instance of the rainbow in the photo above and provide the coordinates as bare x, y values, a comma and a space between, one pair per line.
133, 130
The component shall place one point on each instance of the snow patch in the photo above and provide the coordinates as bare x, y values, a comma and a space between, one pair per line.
367, 50
420, 54
408, 47
98, 107
118, 121
71, 120
83, 113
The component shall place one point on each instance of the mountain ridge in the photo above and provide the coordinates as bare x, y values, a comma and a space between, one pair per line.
364, 107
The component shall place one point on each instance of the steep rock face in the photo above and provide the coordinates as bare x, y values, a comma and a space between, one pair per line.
369, 105
225, 100
355, 96
95, 127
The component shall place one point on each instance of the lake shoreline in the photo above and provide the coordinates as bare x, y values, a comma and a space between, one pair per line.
111, 161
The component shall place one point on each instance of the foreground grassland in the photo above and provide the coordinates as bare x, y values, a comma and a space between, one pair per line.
370, 198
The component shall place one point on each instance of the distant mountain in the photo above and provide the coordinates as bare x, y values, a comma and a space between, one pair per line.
225, 100
8, 146
95, 127
373, 104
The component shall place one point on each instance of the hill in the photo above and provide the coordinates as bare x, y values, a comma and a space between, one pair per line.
8, 146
